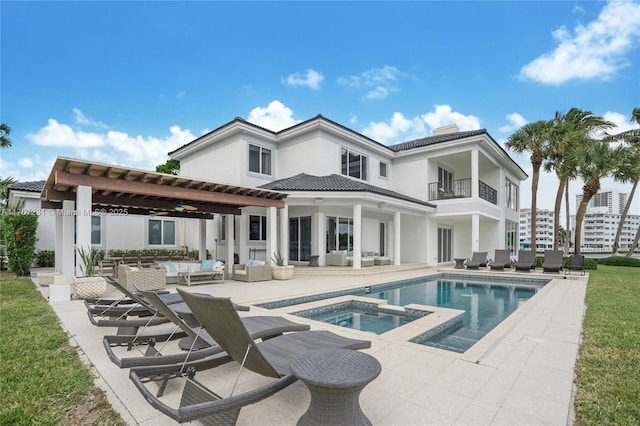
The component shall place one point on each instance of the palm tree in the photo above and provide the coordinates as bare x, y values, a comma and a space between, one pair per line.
5, 131
631, 137
532, 137
566, 132
4, 190
594, 160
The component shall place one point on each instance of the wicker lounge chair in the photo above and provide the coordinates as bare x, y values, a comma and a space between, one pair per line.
552, 261
269, 358
259, 327
575, 263
478, 259
526, 260
501, 261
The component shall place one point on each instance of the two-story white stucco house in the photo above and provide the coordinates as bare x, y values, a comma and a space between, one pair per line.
429, 200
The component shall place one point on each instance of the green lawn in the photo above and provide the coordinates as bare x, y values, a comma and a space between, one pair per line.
42, 380
609, 366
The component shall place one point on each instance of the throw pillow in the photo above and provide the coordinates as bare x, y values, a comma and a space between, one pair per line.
207, 265
218, 265
169, 266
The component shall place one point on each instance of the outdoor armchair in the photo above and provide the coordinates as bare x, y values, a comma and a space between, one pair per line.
251, 272
552, 261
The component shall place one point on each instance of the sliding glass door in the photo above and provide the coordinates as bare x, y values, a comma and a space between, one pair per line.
445, 244
299, 238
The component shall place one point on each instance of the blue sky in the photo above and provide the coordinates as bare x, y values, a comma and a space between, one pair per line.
127, 82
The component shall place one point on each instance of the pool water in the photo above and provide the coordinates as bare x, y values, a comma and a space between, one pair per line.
359, 316
485, 306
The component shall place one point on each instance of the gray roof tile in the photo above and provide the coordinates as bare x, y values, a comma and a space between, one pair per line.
305, 182
34, 186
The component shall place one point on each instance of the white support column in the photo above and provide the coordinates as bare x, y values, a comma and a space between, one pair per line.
320, 238
502, 235
68, 247
230, 243
396, 238
284, 233
475, 173
475, 232
243, 236
357, 236
272, 233
202, 240
83, 222
59, 247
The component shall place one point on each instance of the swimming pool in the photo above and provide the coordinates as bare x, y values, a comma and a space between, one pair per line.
485, 300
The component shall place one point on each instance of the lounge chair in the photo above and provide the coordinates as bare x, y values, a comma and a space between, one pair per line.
478, 259
526, 260
575, 263
269, 358
197, 342
119, 312
501, 261
552, 261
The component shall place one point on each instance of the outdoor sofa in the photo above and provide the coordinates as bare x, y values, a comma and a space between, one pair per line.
192, 272
144, 278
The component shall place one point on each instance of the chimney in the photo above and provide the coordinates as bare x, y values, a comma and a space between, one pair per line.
446, 130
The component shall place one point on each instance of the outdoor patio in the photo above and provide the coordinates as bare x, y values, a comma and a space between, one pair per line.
521, 373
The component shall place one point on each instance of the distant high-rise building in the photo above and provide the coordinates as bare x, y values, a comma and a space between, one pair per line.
544, 228
605, 201
601, 221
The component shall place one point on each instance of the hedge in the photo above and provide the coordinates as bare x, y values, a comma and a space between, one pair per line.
620, 261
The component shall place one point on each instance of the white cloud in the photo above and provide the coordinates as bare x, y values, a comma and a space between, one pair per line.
515, 121
596, 50
62, 135
378, 81
310, 78
622, 122
274, 117
444, 115
114, 146
181, 94
401, 129
82, 119
26, 162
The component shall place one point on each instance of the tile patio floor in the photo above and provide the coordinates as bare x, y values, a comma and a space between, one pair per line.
521, 373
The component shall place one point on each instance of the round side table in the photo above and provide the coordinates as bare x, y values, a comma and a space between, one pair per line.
335, 378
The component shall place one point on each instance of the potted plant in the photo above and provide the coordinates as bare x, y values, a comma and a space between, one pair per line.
88, 286
280, 271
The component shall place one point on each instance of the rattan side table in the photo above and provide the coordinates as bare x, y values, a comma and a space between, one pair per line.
335, 378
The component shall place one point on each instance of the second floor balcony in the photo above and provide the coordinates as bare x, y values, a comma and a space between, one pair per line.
461, 188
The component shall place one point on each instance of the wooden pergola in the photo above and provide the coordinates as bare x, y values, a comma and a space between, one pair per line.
147, 193
78, 189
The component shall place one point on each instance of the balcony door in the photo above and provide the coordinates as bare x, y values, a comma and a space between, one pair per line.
445, 179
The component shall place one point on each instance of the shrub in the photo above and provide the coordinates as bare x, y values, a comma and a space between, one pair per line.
46, 258
590, 264
620, 261
20, 237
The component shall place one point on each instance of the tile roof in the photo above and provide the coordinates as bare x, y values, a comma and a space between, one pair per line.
334, 182
432, 140
33, 186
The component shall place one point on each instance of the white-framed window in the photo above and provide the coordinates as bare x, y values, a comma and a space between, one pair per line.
96, 230
259, 160
354, 164
257, 228
384, 169
511, 195
161, 232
